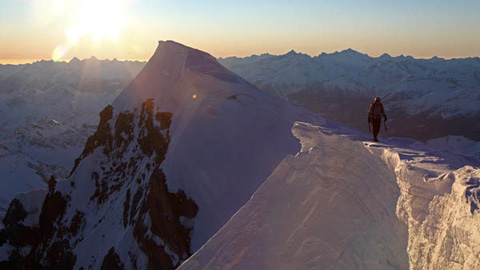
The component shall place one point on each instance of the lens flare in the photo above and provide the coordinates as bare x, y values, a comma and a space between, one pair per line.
59, 51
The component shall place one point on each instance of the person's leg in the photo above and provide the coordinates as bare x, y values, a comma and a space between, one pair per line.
376, 128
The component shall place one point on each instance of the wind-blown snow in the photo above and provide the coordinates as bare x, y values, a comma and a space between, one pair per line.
341, 203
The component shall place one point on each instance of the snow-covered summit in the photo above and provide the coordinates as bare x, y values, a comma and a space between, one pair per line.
181, 149
170, 63
220, 109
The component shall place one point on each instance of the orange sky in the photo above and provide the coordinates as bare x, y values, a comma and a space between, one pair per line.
129, 29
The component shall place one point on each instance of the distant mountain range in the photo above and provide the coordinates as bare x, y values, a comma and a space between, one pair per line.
48, 110
424, 98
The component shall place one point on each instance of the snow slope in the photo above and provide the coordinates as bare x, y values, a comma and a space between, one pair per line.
425, 98
341, 203
48, 110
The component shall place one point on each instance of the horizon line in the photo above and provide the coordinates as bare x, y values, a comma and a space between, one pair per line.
26, 61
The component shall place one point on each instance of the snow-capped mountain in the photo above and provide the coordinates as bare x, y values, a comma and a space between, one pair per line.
66, 92
424, 98
48, 111
180, 150
343, 203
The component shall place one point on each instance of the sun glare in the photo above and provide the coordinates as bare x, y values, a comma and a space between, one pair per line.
94, 19
101, 19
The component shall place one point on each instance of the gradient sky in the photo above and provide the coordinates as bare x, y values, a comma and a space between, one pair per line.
129, 29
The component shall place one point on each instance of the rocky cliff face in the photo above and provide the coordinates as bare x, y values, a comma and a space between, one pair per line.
123, 161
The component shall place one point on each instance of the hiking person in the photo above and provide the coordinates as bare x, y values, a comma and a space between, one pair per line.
375, 113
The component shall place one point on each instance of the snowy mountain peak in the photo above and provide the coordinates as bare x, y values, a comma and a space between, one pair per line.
180, 150
437, 59
192, 59
173, 64
385, 56
351, 52
181, 55
292, 52
74, 60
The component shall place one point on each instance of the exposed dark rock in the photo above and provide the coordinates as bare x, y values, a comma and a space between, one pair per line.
100, 192
165, 210
60, 256
78, 221
56, 254
112, 261
165, 119
133, 152
126, 208
15, 213
150, 137
17, 234
101, 137
124, 125
52, 183
53, 209
95, 175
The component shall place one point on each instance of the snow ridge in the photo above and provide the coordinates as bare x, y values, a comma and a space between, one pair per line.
341, 203
439, 204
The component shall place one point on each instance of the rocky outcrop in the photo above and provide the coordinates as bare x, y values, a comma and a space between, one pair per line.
33, 247
112, 261
165, 210
127, 150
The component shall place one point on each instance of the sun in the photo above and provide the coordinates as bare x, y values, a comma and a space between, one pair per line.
95, 19
99, 18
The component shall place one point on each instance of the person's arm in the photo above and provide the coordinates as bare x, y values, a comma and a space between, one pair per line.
369, 116
384, 115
